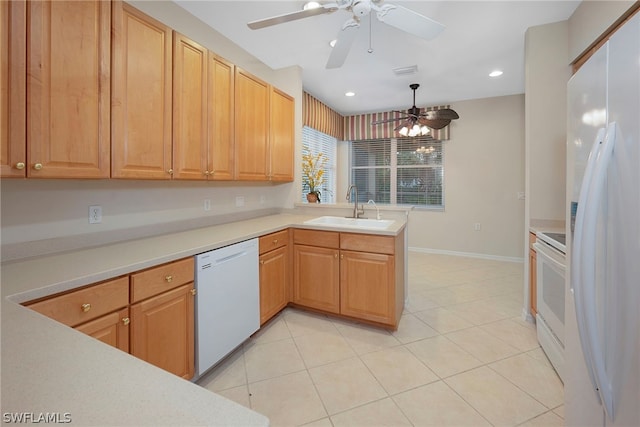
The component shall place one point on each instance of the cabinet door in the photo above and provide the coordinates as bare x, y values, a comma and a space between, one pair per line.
162, 330
189, 108
13, 108
141, 97
68, 89
274, 282
251, 127
221, 122
111, 329
367, 288
281, 136
316, 282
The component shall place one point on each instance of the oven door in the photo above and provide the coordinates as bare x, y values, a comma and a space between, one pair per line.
550, 264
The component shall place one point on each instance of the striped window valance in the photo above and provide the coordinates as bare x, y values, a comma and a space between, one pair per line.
320, 117
359, 127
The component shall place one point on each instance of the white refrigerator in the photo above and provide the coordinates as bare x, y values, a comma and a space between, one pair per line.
602, 299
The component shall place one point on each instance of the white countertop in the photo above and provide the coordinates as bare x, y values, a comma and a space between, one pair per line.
48, 367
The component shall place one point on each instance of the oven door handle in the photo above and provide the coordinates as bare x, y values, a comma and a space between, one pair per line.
588, 251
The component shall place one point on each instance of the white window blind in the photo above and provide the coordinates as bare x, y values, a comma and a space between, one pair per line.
318, 142
412, 176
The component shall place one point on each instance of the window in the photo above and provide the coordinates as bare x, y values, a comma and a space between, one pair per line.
413, 176
319, 142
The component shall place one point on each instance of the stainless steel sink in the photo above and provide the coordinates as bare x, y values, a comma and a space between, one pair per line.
356, 223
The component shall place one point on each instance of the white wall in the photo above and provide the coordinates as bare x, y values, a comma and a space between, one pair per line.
590, 20
484, 171
41, 209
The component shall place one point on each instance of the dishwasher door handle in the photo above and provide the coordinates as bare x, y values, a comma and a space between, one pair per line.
229, 258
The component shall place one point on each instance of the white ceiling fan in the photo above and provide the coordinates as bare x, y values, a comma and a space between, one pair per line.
397, 16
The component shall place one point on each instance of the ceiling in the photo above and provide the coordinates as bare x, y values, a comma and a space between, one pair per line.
480, 36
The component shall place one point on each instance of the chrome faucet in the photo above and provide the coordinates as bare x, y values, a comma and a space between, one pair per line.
356, 212
378, 217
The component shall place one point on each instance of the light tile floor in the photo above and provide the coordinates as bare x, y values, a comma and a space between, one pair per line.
461, 356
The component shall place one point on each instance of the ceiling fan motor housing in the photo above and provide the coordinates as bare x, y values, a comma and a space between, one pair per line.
361, 8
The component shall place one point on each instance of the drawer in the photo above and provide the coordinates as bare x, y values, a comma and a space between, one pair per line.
367, 243
273, 241
159, 279
86, 304
532, 240
324, 239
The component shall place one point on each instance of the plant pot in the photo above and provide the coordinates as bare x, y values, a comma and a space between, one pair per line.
313, 198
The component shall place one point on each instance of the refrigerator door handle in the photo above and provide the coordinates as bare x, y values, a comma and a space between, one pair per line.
588, 260
576, 260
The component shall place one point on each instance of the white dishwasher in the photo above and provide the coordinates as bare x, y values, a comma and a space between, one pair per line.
227, 301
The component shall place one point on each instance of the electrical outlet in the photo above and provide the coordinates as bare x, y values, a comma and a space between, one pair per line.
239, 201
207, 205
477, 226
95, 214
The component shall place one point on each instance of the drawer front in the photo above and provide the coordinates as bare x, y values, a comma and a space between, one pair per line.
273, 241
159, 279
86, 304
367, 243
324, 239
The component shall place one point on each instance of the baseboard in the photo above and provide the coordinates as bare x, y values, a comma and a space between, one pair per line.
466, 254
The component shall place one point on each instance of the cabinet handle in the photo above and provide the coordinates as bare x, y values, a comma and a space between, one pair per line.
20, 165
126, 321
169, 278
206, 173
37, 166
194, 292
261, 262
275, 242
335, 255
170, 171
85, 307
341, 256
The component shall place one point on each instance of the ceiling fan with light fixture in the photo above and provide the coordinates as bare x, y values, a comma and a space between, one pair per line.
397, 16
417, 123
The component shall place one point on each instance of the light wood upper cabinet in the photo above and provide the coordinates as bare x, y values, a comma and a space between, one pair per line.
141, 95
220, 164
68, 89
190, 62
13, 108
281, 136
251, 127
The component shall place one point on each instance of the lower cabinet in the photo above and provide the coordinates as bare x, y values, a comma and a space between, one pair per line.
350, 274
162, 331
149, 314
274, 282
112, 329
533, 272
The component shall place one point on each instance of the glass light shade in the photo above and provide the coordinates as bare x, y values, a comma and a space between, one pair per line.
424, 130
404, 131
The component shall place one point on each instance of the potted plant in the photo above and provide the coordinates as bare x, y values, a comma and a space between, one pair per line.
313, 174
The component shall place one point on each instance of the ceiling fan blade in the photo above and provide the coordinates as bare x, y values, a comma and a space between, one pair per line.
287, 17
379, 122
345, 39
411, 22
434, 123
445, 113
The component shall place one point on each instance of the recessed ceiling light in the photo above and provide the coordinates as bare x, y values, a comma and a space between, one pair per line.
350, 94
311, 5
333, 42
495, 73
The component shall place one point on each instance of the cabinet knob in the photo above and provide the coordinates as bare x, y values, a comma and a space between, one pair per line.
194, 292
85, 307
261, 262
20, 165
341, 256
169, 278
37, 166
170, 171
126, 321
207, 173
275, 242
335, 255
